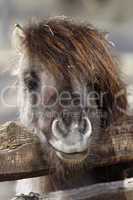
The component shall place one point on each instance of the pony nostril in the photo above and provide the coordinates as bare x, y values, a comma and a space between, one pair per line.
58, 129
86, 127
82, 126
54, 128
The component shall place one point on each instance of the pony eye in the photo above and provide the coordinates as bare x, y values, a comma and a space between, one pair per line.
31, 81
31, 84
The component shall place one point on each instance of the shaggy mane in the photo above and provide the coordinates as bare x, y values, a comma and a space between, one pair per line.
79, 50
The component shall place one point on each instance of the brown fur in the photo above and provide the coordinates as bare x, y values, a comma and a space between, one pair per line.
71, 49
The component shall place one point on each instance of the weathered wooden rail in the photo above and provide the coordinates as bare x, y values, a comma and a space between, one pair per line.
21, 157
119, 190
21, 154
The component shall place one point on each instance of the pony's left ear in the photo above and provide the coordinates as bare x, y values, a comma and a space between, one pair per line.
18, 38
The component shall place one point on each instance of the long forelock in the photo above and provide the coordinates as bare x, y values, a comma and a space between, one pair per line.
65, 46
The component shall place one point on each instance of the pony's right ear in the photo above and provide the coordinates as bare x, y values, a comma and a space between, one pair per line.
18, 38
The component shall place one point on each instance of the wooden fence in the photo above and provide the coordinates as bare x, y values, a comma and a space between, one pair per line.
21, 157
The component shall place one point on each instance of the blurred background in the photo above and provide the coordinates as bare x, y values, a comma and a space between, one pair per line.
113, 16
